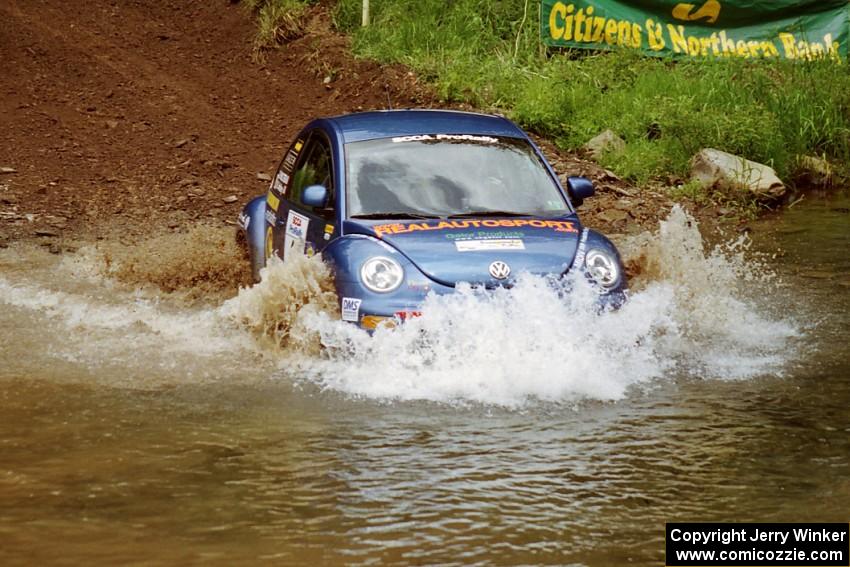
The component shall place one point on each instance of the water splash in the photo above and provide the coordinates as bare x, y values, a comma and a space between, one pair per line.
201, 262
64, 318
728, 326
276, 309
694, 312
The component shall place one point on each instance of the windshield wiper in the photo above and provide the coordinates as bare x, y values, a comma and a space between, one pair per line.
395, 215
490, 214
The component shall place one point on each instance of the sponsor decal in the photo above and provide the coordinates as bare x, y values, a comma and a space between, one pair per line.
423, 286
269, 243
296, 231
401, 316
289, 161
329, 230
484, 235
244, 221
582, 250
273, 201
296, 225
270, 218
351, 309
480, 245
400, 228
449, 137
280, 181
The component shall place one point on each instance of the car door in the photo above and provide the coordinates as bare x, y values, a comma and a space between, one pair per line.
301, 228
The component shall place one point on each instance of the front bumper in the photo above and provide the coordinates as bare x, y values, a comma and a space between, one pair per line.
377, 311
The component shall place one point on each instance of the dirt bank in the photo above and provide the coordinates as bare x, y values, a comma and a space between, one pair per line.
124, 118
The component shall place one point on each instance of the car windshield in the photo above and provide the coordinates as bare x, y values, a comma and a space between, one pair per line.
444, 175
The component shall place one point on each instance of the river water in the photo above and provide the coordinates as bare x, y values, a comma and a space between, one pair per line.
515, 428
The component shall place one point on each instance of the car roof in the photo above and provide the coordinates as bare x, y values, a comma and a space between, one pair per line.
363, 126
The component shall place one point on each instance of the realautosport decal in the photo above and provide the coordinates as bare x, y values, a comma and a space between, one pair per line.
400, 228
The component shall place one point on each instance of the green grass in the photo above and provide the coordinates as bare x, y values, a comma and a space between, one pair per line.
278, 21
487, 53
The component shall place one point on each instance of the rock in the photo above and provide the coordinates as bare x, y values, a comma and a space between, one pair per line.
814, 171
605, 142
182, 143
57, 222
112, 124
230, 199
187, 182
264, 177
714, 168
46, 233
6, 170
613, 216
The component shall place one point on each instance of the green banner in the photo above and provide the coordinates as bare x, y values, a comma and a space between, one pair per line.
806, 30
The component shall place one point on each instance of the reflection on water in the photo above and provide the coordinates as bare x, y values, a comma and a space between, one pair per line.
118, 447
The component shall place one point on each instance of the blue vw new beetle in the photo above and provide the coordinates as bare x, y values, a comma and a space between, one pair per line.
407, 202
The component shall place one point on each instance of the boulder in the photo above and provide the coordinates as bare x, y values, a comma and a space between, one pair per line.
605, 142
714, 168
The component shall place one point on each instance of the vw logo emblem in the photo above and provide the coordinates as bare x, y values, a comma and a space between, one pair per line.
499, 270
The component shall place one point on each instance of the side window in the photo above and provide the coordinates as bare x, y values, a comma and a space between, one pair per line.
315, 168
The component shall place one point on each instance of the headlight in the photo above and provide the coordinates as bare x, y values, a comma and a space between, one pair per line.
602, 267
381, 274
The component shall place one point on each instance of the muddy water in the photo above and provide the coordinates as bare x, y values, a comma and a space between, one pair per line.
142, 426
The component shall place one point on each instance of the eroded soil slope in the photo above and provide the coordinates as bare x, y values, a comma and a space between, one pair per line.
145, 111
134, 115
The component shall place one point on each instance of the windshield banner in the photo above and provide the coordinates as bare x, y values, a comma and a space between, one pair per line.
791, 29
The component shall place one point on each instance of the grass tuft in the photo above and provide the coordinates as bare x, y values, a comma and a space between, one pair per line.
278, 21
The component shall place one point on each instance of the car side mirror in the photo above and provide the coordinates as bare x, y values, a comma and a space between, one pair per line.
315, 196
579, 189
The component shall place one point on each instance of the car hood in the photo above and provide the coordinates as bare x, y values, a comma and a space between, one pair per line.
462, 250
